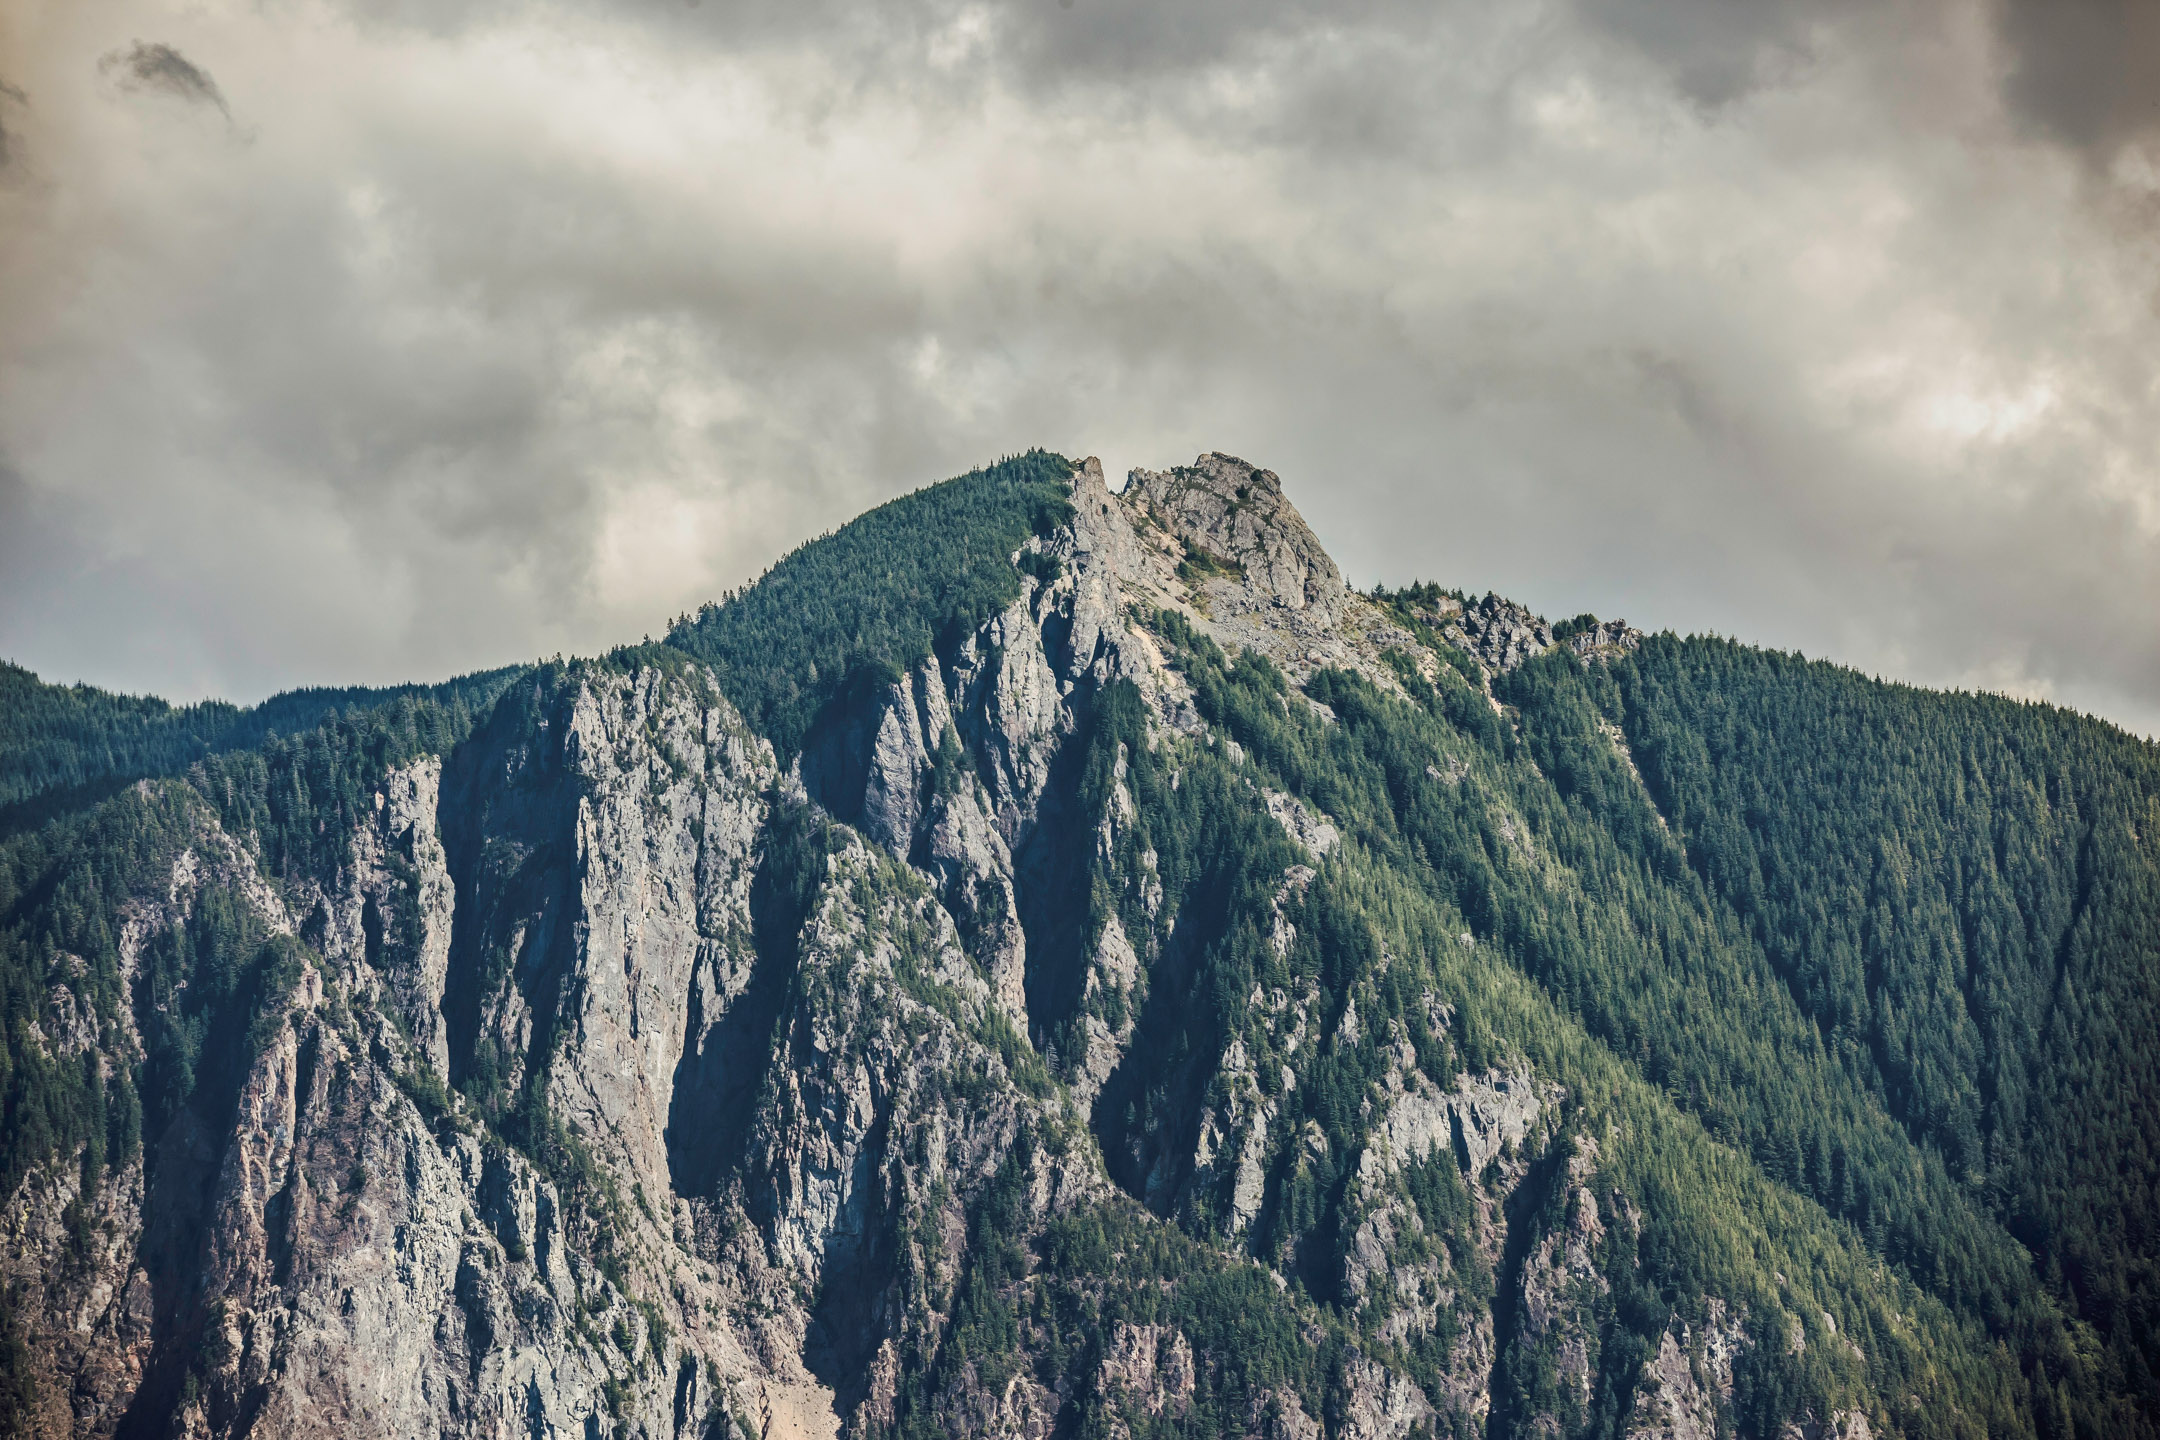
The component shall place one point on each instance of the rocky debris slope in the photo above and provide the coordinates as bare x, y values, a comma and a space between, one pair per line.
623, 1080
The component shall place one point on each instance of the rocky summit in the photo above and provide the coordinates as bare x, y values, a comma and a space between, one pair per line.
1056, 961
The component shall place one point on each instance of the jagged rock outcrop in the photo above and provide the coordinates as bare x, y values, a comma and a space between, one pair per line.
1561, 1285
1689, 1381
1500, 632
1603, 639
1234, 521
1219, 539
386, 915
1418, 1280
1146, 1370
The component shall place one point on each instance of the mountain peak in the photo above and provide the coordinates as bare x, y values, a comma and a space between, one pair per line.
1234, 520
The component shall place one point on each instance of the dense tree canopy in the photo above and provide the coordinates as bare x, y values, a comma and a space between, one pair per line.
65, 746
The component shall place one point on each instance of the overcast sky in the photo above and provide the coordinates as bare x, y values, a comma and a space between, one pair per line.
359, 340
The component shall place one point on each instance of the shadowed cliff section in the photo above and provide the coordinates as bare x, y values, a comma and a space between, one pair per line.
508, 818
718, 1080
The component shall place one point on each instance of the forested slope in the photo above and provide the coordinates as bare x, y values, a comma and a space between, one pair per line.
1963, 894
66, 746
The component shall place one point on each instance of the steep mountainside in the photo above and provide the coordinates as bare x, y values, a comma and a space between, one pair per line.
1053, 962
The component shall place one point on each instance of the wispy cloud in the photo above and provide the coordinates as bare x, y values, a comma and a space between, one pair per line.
162, 69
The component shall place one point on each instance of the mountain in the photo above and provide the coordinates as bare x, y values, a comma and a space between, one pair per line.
1055, 962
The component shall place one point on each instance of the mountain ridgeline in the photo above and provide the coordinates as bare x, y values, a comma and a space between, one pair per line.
1053, 962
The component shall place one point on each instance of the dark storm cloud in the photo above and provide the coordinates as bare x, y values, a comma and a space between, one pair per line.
1714, 52
9, 95
152, 66
519, 326
2085, 72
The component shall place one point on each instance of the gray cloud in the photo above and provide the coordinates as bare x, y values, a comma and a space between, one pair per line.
159, 67
12, 96
2085, 72
519, 327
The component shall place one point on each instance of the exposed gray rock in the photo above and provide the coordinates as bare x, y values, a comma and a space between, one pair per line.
669, 784
1605, 639
97, 1315
1315, 831
1219, 541
1688, 1383
974, 870
1148, 1368
1378, 1403
1560, 1286
1500, 632
1232, 515
1841, 1425
1407, 1282
1114, 969
1280, 1415
1475, 1119
1230, 1154
384, 920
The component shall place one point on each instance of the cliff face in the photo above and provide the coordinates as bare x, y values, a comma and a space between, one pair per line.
624, 1080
